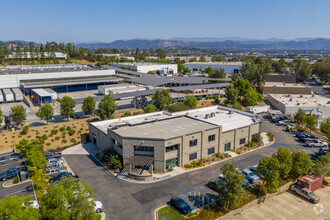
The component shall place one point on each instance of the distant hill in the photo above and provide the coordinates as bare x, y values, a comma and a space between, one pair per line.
270, 44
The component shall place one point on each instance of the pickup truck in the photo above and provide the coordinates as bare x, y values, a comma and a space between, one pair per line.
12, 172
316, 143
306, 193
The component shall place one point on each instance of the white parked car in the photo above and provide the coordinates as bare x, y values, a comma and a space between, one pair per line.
316, 143
98, 207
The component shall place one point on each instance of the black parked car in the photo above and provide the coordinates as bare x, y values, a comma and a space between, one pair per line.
180, 205
56, 155
213, 185
12, 172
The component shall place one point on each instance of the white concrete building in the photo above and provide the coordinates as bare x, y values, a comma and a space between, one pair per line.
58, 55
158, 68
229, 67
311, 104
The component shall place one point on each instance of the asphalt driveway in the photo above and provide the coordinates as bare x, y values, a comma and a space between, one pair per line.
125, 200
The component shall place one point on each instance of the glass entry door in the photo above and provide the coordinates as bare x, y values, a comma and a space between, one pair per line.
171, 163
227, 147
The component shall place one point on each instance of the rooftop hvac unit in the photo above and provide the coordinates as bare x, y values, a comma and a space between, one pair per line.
298, 103
301, 96
231, 112
207, 116
290, 99
212, 114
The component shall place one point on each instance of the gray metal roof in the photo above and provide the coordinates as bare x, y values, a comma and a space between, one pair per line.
135, 94
203, 86
152, 80
61, 82
120, 70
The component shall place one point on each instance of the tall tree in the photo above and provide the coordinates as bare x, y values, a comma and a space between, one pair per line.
243, 86
252, 98
45, 112
325, 127
107, 107
302, 69
311, 122
88, 106
162, 99
11, 207
18, 114
322, 70
68, 199
231, 94
219, 74
150, 108
322, 167
268, 168
230, 186
33, 153
191, 101
301, 163
300, 117
67, 106
284, 159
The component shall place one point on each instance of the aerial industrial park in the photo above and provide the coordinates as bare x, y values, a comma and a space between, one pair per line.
164, 127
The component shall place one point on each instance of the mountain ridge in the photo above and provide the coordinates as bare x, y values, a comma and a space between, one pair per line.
268, 44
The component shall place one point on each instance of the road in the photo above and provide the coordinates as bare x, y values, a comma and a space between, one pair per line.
125, 200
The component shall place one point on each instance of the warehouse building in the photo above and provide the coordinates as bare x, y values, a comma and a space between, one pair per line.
175, 139
311, 104
158, 68
285, 88
230, 68
281, 77
60, 78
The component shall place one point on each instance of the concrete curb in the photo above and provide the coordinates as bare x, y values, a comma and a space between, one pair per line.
3, 184
156, 211
187, 171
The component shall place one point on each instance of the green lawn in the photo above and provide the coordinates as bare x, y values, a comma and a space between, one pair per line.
168, 213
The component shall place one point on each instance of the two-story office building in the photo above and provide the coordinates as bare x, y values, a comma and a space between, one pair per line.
175, 139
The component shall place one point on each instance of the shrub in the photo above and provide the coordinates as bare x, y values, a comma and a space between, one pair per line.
44, 137
170, 169
48, 144
222, 96
57, 138
227, 155
54, 132
15, 180
41, 141
114, 161
25, 130
19, 136
250, 144
62, 129
200, 163
63, 136
50, 135
72, 132
64, 141
218, 155
238, 152
29, 136
188, 166
194, 163
68, 128
270, 136
256, 138
72, 140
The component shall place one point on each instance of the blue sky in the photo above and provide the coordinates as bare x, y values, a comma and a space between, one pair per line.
109, 20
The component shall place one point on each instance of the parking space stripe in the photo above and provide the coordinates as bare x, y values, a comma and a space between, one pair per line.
272, 211
292, 198
289, 204
280, 208
258, 213
247, 215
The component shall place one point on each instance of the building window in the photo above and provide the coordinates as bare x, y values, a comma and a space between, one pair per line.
193, 142
212, 137
115, 142
242, 141
171, 163
253, 136
143, 148
210, 151
193, 156
172, 148
227, 147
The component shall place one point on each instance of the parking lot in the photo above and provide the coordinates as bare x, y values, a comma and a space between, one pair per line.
22, 189
289, 206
